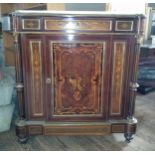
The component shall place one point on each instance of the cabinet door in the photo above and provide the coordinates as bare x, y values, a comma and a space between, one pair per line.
76, 72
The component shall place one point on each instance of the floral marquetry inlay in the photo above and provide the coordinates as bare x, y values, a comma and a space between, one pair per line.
102, 25
31, 24
117, 81
124, 26
36, 67
77, 78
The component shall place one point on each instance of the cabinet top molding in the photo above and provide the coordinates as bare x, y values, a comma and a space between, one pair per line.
75, 13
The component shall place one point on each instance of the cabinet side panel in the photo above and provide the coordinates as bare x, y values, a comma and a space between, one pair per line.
36, 69
117, 77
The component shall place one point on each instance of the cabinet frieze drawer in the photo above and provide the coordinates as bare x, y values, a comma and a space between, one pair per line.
30, 24
124, 25
87, 25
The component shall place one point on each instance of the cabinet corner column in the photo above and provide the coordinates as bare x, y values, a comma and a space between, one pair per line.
133, 84
131, 120
19, 78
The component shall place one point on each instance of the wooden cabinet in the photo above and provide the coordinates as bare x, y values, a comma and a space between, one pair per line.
76, 72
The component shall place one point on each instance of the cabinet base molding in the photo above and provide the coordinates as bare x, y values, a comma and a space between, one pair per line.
25, 129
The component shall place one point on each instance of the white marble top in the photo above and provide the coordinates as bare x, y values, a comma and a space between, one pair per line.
76, 13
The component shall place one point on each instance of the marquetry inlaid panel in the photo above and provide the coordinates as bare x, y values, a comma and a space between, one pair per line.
117, 77
117, 128
103, 129
77, 81
36, 73
102, 25
124, 26
35, 129
31, 24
